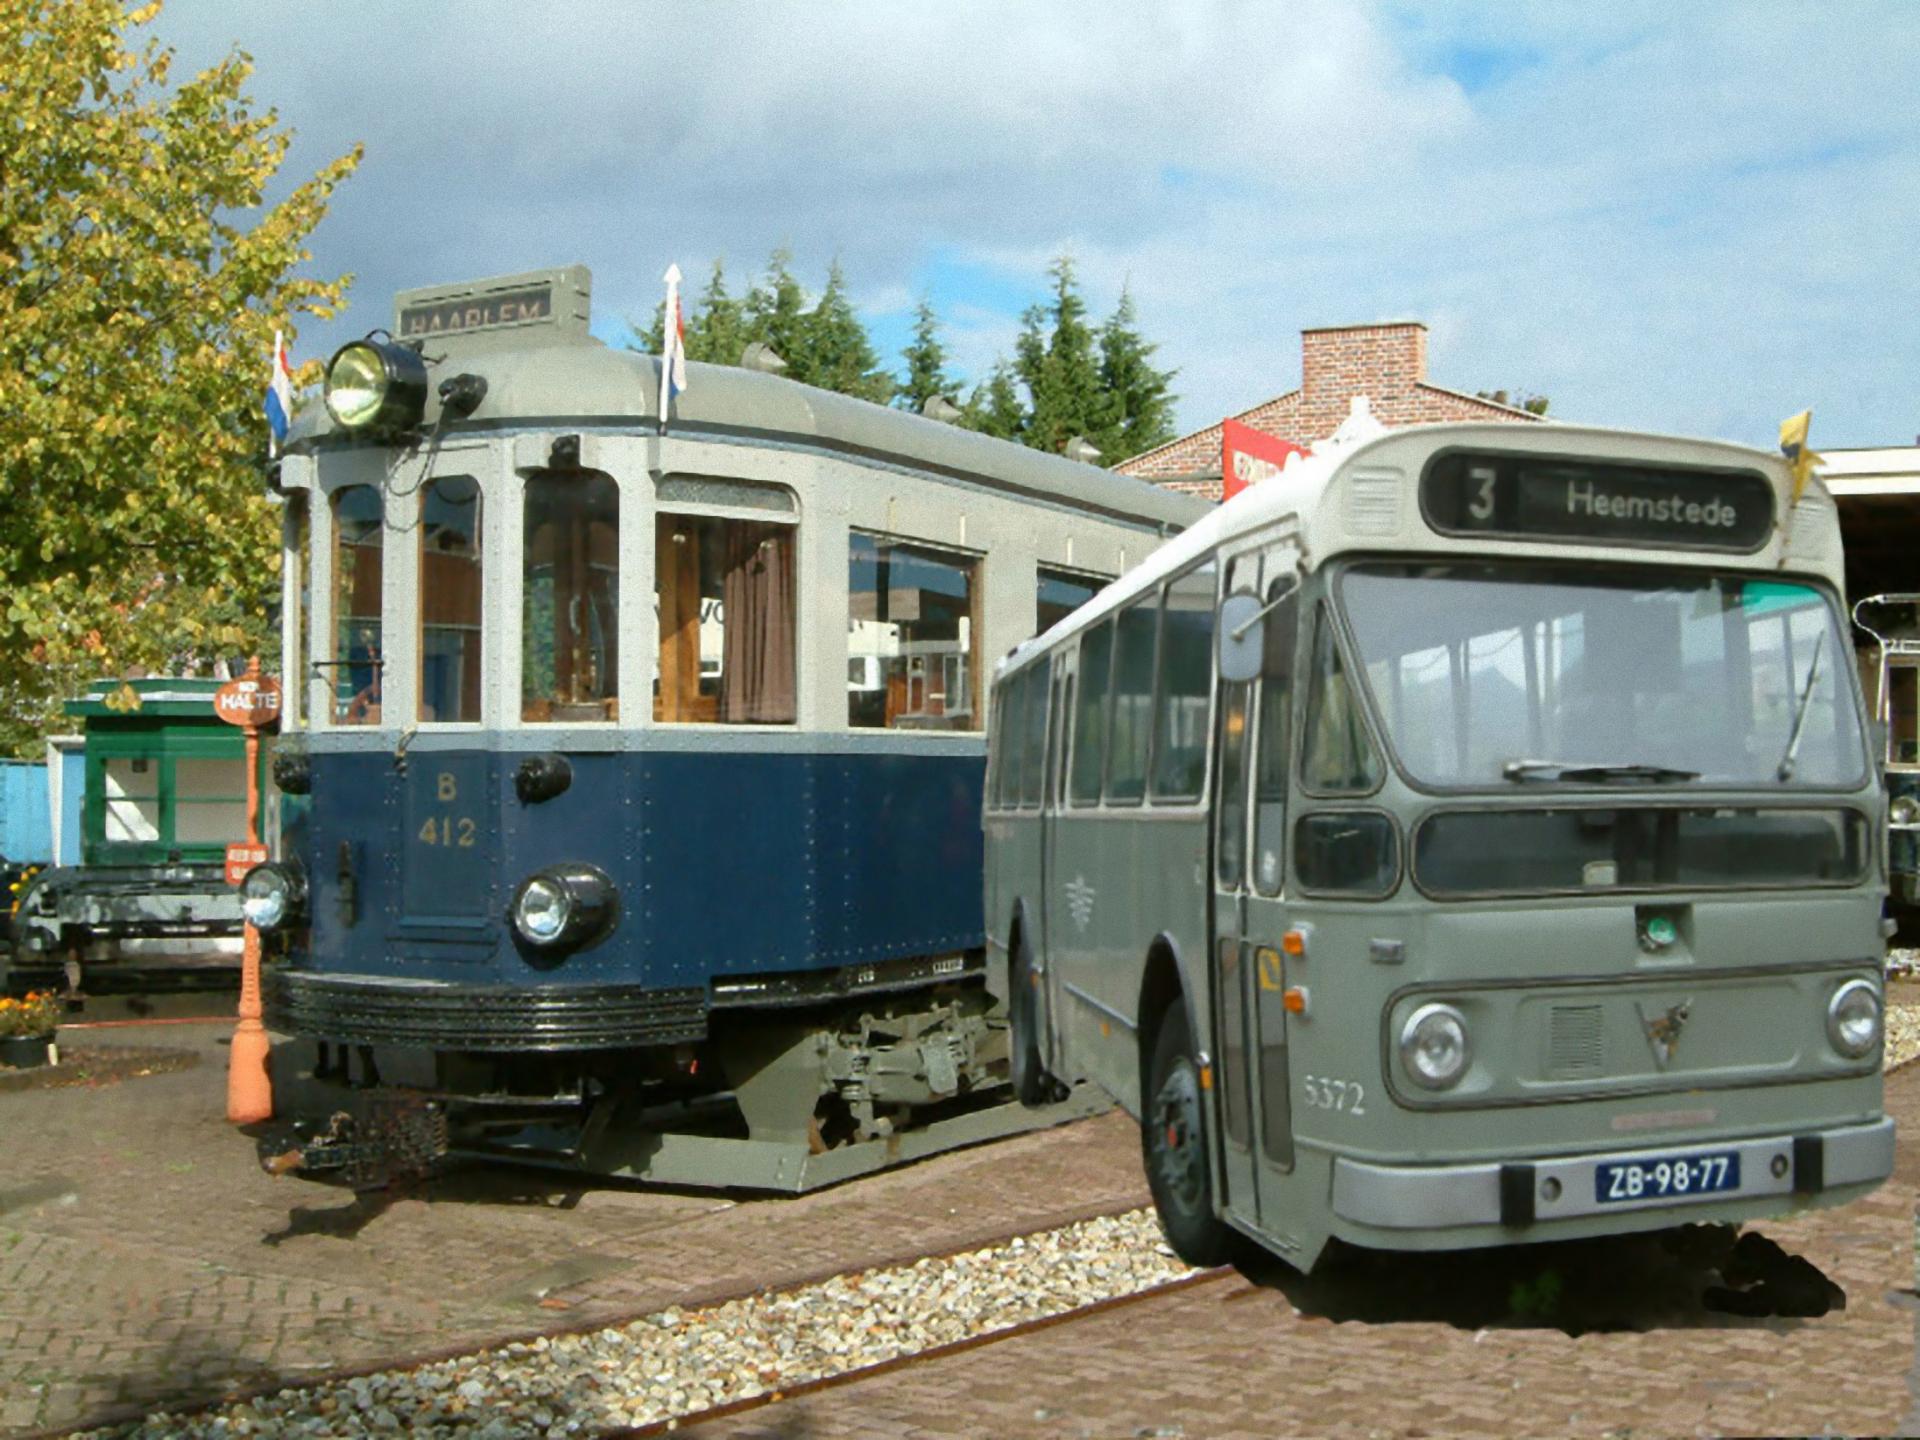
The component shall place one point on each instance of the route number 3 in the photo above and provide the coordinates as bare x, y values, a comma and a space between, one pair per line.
1345, 1096
1481, 506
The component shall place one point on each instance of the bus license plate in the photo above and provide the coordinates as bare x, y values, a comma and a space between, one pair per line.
1615, 1181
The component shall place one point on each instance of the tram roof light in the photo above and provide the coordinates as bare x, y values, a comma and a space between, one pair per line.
376, 386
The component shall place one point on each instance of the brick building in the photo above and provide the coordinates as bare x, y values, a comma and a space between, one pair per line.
1387, 363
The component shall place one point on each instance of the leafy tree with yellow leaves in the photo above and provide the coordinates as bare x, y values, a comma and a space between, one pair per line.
141, 279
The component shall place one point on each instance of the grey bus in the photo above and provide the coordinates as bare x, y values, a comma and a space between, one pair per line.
1467, 837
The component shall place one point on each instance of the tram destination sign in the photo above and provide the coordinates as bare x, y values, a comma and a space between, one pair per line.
1597, 503
528, 305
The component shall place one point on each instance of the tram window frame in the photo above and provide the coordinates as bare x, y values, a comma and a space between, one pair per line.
474, 651
1145, 608
681, 691
297, 543
1091, 705
603, 707
361, 703
878, 550
1197, 580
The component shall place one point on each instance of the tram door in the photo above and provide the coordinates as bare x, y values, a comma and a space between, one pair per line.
1250, 969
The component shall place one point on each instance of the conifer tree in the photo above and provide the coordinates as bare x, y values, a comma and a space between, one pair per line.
926, 361
775, 314
1062, 372
837, 353
1139, 393
996, 408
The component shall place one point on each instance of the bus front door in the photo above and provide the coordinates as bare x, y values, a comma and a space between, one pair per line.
1232, 1000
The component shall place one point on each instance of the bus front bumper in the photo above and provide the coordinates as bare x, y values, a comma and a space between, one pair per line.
1520, 1193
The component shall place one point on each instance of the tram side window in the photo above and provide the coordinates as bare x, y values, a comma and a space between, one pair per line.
1090, 724
450, 600
359, 533
913, 637
1060, 593
1033, 746
724, 591
570, 605
1132, 722
1339, 758
296, 536
1186, 676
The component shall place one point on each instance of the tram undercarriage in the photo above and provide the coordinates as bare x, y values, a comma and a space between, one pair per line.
785, 1100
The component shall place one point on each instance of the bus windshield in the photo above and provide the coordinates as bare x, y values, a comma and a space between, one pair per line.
1536, 674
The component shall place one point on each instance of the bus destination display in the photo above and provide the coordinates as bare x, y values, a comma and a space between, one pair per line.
1531, 498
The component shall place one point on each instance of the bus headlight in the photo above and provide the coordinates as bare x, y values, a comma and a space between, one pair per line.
1905, 810
376, 387
272, 895
563, 907
1434, 1047
1853, 1019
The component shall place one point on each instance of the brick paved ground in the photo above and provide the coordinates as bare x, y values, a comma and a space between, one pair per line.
145, 1258
1237, 1359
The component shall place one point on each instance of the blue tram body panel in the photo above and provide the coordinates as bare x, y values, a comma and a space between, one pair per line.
725, 863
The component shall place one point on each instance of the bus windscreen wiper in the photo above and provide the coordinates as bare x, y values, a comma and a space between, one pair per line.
1791, 757
1584, 774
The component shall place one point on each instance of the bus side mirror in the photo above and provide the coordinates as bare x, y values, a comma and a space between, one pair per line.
1242, 637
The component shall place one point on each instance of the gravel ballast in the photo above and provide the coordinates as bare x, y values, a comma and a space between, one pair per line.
677, 1362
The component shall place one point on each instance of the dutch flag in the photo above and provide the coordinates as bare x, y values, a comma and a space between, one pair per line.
673, 352
279, 398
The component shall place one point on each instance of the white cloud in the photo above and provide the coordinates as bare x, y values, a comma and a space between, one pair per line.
1689, 217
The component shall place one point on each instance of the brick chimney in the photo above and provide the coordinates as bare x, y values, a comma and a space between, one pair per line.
1382, 362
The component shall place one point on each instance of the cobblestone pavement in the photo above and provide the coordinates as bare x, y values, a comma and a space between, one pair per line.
1275, 1355
144, 1258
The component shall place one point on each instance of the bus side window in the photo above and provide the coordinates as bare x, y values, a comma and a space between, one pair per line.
1090, 723
1132, 721
1339, 756
1186, 674
1033, 757
1007, 740
1276, 732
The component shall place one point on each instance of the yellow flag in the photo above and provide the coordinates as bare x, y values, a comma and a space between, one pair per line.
1793, 445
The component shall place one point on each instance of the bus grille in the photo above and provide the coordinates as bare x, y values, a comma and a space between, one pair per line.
1576, 1044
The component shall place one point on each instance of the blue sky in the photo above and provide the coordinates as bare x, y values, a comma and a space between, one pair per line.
1695, 218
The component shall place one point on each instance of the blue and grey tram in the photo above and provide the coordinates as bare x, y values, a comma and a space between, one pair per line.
642, 755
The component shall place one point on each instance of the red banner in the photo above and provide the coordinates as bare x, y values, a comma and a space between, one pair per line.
1248, 456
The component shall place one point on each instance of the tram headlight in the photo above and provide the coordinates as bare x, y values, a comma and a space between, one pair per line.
563, 907
272, 895
1434, 1046
376, 387
1853, 1019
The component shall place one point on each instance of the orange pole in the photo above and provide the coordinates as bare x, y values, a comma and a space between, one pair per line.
249, 1088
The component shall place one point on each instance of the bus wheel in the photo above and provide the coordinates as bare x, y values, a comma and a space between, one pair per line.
1174, 1142
1032, 1086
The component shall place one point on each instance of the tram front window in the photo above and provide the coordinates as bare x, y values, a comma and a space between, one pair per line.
359, 532
450, 600
1521, 673
569, 652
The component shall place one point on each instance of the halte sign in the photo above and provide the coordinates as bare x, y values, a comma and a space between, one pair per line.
1597, 502
248, 701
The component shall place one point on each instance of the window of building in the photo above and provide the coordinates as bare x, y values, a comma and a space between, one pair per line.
1090, 724
132, 799
359, 535
450, 600
570, 606
1061, 592
724, 591
209, 800
1186, 675
913, 636
1131, 727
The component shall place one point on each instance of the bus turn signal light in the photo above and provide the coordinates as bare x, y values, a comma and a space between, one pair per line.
1294, 942
1294, 999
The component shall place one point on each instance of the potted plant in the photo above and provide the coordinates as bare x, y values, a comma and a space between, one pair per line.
26, 1030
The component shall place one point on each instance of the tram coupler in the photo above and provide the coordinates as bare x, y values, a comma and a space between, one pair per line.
394, 1137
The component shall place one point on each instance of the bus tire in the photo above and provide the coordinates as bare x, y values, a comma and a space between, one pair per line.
1175, 1142
1032, 1086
